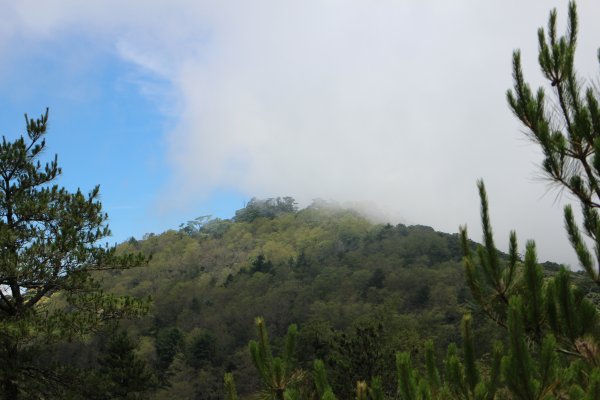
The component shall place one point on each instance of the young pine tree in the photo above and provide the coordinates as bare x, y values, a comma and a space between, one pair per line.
278, 374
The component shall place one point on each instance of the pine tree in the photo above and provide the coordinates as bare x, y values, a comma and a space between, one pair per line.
230, 389
551, 328
126, 375
461, 378
322, 385
556, 316
568, 134
278, 374
48, 253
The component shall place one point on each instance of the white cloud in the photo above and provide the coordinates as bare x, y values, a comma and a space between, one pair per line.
396, 102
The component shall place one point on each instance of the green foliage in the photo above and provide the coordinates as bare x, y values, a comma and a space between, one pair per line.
127, 376
551, 326
407, 380
230, 390
360, 355
433, 375
269, 208
330, 270
518, 366
200, 348
324, 390
261, 264
462, 378
376, 389
568, 134
278, 375
168, 343
49, 254
553, 304
492, 281
194, 227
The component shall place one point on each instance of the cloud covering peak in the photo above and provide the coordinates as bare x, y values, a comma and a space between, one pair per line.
400, 103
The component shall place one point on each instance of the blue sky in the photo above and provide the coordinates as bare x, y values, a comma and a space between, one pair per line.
105, 130
187, 108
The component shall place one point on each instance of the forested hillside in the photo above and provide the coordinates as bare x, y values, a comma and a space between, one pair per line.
358, 291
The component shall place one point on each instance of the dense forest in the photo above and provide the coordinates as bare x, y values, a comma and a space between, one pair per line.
358, 291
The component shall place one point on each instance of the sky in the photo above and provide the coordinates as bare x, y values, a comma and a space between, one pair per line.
186, 108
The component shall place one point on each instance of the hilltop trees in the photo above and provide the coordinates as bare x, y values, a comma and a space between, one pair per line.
269, 208
48, 251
